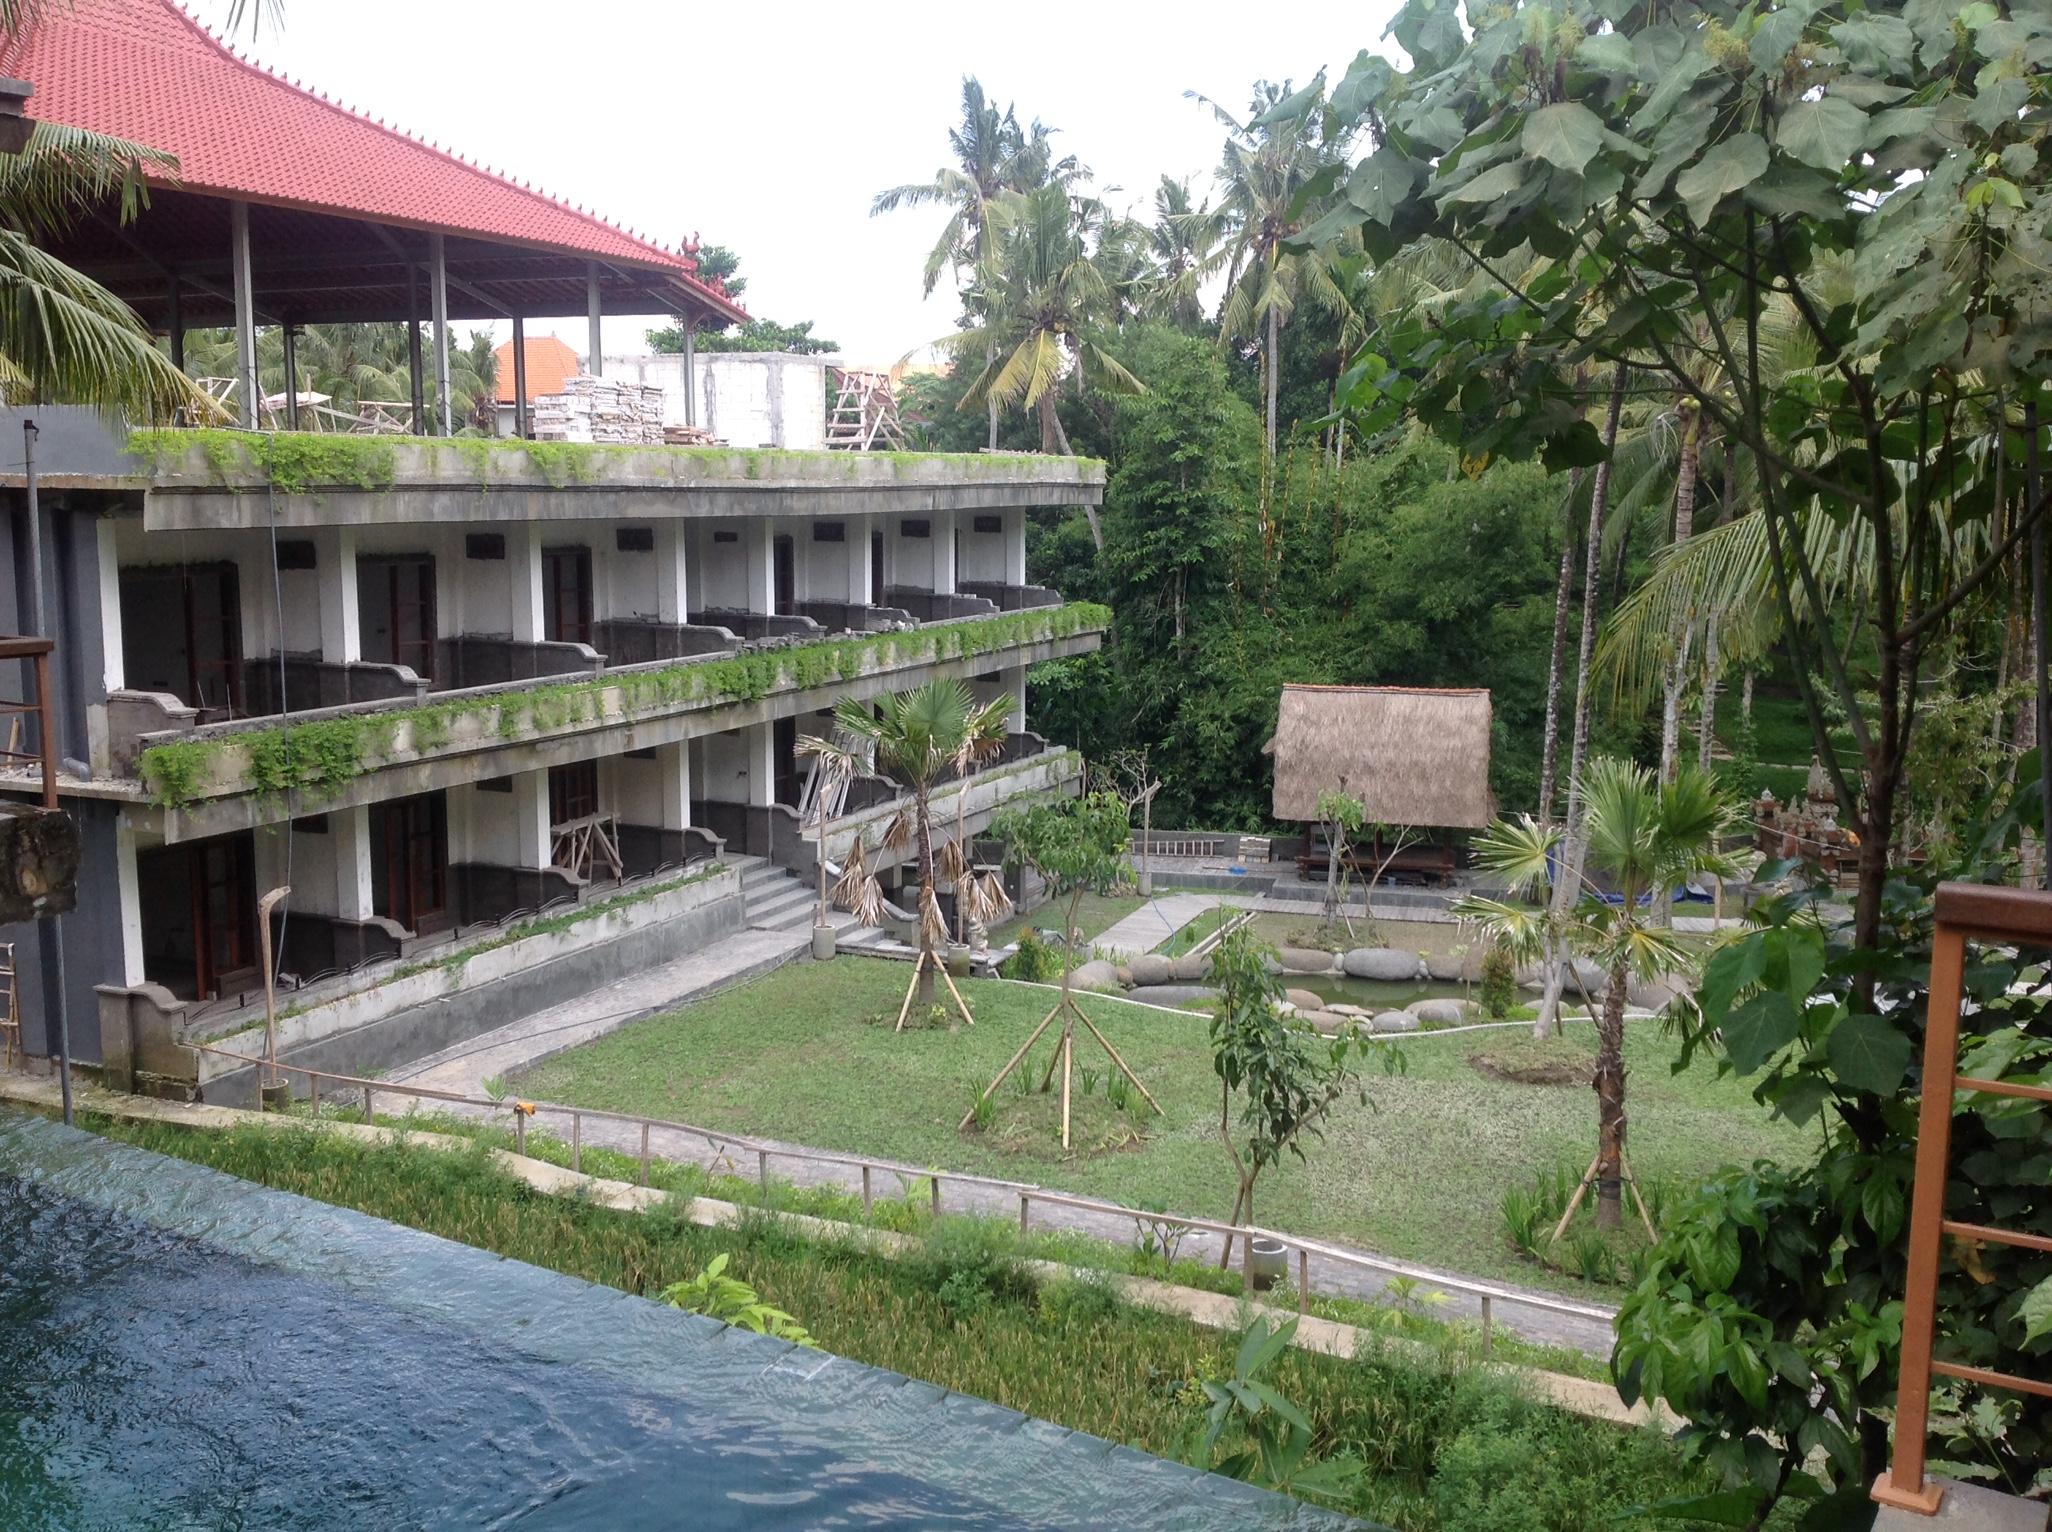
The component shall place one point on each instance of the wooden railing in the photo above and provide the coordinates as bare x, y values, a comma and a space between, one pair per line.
724, 1145
1966, 912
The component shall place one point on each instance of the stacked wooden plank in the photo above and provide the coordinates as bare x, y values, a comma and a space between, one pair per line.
601, 410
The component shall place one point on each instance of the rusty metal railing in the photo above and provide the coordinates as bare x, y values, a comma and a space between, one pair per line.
1966, 912
34, 710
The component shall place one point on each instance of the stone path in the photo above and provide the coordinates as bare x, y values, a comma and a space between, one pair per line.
1155, 922
730, 960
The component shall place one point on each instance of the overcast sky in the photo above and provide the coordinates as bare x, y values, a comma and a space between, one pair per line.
769, 127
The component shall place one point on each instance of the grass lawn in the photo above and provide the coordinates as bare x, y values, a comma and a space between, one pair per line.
806, 1054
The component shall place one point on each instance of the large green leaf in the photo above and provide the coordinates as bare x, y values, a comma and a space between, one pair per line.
1293, 106
2036, 1311
1565, 133
1727, 167
1778, 32
1362, 86
1380, 183
1825, 133
1757, 1030
1730, 970
1610, 52
1497, 181
1868, 1053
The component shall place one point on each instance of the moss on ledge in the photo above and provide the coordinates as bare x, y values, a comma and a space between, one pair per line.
323, 755
296, 462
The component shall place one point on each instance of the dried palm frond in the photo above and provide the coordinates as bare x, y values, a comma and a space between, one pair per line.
949, 865
985, 899
898, 833
857, 890
932, 926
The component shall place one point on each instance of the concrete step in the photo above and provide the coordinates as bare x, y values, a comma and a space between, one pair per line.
782, 915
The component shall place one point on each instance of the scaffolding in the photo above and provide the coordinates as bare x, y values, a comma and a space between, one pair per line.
865, 416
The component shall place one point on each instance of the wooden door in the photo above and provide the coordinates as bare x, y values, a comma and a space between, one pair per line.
396, 600
223, 915
876, 569
786, 553
566, 595
410, 861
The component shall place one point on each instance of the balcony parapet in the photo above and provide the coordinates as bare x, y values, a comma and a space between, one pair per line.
1010, 598
756, 626
854, 617
641, 641
310, 759
470, 660
937, 606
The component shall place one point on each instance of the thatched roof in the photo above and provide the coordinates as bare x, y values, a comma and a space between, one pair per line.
1411, 755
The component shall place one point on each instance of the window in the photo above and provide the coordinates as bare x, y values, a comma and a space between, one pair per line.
829, 532
395, 598
566, 595
634, 539
990, 523
181, 632
920, 528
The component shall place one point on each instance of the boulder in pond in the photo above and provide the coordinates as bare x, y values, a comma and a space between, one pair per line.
1095, 974
1124, 975
1394, 1021
1391, 965
1442, 1012
1178, 996
1304, 999
1151, 968
1452, 967
1653, 994
1305, 960
1191, 970
1329, 1021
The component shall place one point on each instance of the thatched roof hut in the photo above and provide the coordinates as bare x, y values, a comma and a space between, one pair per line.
1411, 755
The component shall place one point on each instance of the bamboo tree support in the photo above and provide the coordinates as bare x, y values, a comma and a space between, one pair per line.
1588, 1180
940, 968
1063, 1059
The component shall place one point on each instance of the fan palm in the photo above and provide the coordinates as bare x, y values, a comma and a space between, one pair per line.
917, 737
1642, 837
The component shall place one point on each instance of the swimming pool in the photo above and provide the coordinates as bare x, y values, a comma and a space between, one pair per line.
183, 1350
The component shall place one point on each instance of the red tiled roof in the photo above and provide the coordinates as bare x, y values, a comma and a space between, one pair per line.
146, 71
550, 363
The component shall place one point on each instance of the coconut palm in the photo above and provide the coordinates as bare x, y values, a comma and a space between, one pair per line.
993, 155
917, 737
357, 363
1643, 837
1267, 162
1049, 307
1178, 240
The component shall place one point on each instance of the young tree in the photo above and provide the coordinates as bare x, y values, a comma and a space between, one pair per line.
1341, 814
1078, 846
919, 736
1644, 836
1136, 782
1282, 1074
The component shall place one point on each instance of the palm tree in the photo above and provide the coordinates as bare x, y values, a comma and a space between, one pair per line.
1268, 160
993, 155
356, 363
1178, 242
1048, 307
918, 737
1643, 837
63, 337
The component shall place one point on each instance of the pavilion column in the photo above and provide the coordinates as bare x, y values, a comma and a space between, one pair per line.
245, 315
519, 377
691, 369
438, 303
341, 609
1015, 546
177, 322
673, 777
592, 305
291, 339
672, 544
413, 370
350, 843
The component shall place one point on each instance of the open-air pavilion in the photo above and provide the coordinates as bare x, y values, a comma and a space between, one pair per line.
290, 209
1413, 757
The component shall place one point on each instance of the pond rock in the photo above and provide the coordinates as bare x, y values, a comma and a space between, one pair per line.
1151, 968
1395, 1021
1450, 967
1304, 999
1095, 974
1305, 960
1189, 970
1653, 994
1392, 965
1124, 975
1177, 995
1329, 1021
1442, 1012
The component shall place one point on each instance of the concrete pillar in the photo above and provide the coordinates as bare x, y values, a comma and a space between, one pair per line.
1015, 546
341, 608
673, 572
244, 281
761, 739
690, 371
438, 303
530, 809
1015, 681
524, 581
944, 553
593, 303
416, 389
760, 538
349, 835
857, 553
673, 769
112, 664
129, 961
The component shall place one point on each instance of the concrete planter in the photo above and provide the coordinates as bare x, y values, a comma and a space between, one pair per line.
1271, 1260
822, 942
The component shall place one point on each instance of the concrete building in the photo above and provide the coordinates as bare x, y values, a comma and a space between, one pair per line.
439, 687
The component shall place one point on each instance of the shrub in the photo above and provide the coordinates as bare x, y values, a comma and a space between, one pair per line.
1522, 1218
969, 1264
1036, 961
1499, 988
728, 1299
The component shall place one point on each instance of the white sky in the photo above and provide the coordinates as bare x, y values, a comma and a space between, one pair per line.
769, 127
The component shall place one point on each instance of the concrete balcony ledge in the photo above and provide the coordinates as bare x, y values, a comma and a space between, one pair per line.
213, 778
203, 479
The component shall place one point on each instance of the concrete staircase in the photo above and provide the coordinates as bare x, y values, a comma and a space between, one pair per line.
773, 897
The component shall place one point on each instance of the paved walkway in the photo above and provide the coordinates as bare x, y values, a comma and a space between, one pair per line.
1155, 922
729, 960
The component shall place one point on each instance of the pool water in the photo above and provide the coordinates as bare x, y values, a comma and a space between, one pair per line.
1374, 994
183, 1350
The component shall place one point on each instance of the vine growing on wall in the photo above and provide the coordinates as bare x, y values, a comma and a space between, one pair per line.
322, 755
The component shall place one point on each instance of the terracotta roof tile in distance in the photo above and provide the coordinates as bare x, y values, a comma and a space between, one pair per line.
550, 364
145, 70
